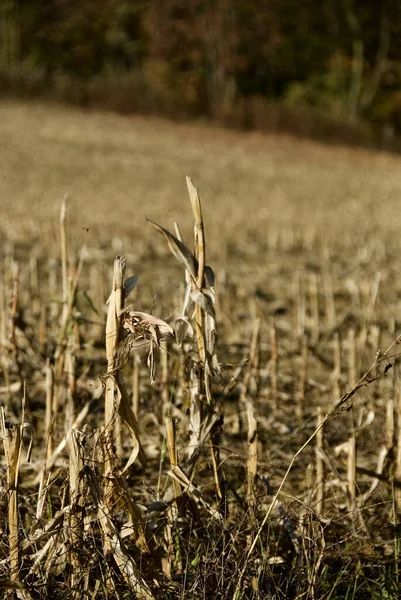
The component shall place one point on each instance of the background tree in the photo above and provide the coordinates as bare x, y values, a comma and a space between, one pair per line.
341, 60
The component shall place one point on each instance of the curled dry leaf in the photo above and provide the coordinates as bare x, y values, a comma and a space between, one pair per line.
143, 329
183, 328
146, 326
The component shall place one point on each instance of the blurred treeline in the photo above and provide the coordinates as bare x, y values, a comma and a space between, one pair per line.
292, 64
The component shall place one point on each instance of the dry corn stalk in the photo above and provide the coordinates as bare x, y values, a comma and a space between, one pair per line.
113, 324
198, 304
314, 308
195, 413
135, 525
124, 561
173, 559
164, 380
188, 488
76, 503
135, 384
351, 467
14, 313
200, 295
330, 306
12, 441
303, 377
49, 372
68, 309
273, 369
252, 453
352, 372
301, 306
77, 423
338, 407
64, 266
117, 401
397, 467
248, 395
319, 464
118, 404
199, 244
390, 421
336, 375
69, 369
113, 542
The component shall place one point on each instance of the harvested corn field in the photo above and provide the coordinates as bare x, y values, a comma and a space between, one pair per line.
207, 403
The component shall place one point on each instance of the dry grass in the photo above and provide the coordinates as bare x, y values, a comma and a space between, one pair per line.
133, 167
140, 489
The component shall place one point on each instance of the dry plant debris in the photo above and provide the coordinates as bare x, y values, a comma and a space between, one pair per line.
241, 438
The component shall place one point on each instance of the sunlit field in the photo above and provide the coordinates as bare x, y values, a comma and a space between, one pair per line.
236, 432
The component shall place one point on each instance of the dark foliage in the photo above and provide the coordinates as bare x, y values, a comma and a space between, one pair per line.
218, 58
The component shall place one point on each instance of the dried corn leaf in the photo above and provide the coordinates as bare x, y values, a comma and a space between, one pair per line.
125, 412
199, 234
112, 326
195, 201
123, 560
202, 298
178, 475
379, 470
42, 554
151, 365
183, 329
207, 425
129, 285
76, 424
146, 325
7, 584
135, 525
178, 249
209, 277
188, 306
52, 528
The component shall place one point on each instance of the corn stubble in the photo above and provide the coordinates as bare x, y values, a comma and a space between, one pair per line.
201, 478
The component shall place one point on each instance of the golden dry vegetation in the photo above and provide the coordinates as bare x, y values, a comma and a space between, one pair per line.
303, 240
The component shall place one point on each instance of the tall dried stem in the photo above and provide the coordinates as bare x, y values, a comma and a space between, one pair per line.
273, 369
351, 467
336, 376
12, 441
117, 400
330, 307
64, 257
303, 377
314, 308
14, 314
164, 379
319, 464
173, 544
49, 384
136, 368
113, 325
199, 245
249, 394
352, 370
397, 466
76, 503
301, 306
